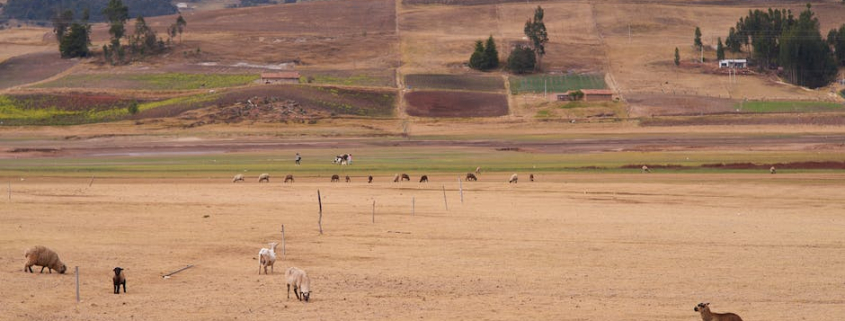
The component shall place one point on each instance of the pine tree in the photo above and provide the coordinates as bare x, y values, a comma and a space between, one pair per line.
677, 57
116, 14
75, 41
804, 55
491, 55
180, 26
720, 50
697, 40
61, 22
476, 61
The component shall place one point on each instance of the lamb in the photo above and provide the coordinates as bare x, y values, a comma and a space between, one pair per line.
646, 170
289, 177
478, 170
348, 179
300, 281
471, 177
772, 170
531, 177
424, 179
369, 179
238, 178
513, 179
264, 177
119, 278
335, 178
395, 178
706, 315
267, 257
45, 258
405, 177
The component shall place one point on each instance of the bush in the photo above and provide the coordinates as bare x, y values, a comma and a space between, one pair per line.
521, 60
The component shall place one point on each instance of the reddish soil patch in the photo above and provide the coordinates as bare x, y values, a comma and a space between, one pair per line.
31, 68
455, 104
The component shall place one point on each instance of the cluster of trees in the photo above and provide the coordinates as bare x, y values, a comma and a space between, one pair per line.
777, 39
74, 36
522, 59
142, 42
836, 41
45, 10
484, 57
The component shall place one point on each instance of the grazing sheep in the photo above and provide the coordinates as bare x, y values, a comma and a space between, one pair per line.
424, 179
405, 177
335, 178
369, 179
395, 178
289, 177
772, 170
267, 257
478, 170
45, 258
300, 281
348, 179
531, 177
264, 177
513, 179
706, 315
646, 170
119, 278
238, 178
471, 177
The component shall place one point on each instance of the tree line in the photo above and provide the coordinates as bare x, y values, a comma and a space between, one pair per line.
522, 59
776, 39
45, 10
74, 36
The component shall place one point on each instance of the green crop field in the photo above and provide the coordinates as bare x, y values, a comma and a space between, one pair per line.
164, 81
455, 82
788, 106
556, 83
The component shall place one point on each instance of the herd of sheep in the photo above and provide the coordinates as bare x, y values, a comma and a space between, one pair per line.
265, 178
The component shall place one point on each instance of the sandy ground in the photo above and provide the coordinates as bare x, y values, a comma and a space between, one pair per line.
568, 247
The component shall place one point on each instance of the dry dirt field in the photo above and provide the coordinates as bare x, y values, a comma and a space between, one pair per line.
567, 247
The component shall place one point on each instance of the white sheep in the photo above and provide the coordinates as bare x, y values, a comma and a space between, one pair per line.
300, 281
706, 315
267, 257
772, 170
45, 258
238, 178
513, 179
264, 177
645, 169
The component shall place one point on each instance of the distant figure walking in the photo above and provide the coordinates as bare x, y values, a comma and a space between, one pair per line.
298, 158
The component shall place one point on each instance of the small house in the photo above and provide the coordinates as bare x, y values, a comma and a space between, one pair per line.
733, 63
284, 77
181, 6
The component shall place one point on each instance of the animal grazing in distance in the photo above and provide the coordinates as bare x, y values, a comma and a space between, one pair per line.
45, 258
531, 177
424, 179
289, 177
645, 169
369, 179
478, 170
405, 177
335, 178
706, 315
514, 178
471, 177
238, 178
772, 170
348, 179
300, 281
119, 279
264, 177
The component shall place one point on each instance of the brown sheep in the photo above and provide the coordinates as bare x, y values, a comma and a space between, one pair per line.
119, 278
471, 177
45, 258
264, 178
405, 177
289, 177
335, 178
369, 179
531, 177
706, 315
396, 178
348, 179
424, 179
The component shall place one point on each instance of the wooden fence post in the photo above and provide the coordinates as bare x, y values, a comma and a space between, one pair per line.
283, 240
320, 220
444, 198
461, 187
374, 211
77, 284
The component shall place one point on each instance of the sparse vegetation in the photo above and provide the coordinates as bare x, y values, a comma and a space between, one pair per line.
677, 57
163, 81
454, 82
